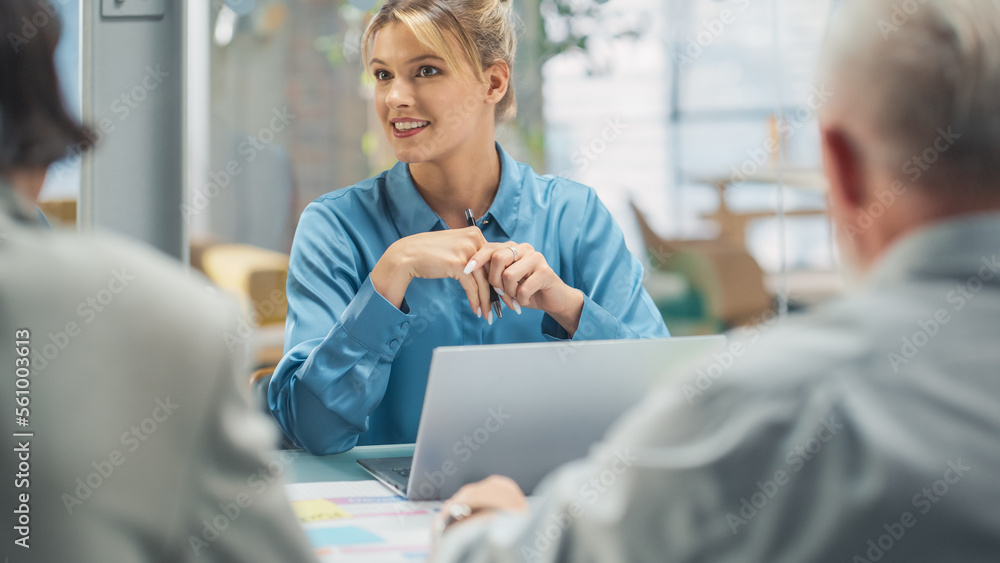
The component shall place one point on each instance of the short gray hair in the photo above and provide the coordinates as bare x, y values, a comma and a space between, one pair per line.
923, 68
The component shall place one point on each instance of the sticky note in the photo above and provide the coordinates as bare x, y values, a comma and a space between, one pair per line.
323, 537
318, 509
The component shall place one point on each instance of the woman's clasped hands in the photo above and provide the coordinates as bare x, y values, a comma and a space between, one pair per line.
516, 271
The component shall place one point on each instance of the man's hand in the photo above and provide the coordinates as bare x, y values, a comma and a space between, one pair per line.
483, 498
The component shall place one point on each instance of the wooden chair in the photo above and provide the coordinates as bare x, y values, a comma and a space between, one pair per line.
725, 274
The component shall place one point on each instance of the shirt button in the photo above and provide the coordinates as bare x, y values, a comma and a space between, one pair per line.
404, 325
394, 344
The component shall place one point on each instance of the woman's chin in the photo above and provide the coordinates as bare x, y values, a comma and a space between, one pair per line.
410, 156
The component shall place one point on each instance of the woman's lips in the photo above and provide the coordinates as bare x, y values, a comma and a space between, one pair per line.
407, 126
401, 134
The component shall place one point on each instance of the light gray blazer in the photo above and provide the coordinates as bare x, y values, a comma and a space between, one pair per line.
144, 445
866, 430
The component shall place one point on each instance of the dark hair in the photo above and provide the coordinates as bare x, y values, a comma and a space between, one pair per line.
35, 128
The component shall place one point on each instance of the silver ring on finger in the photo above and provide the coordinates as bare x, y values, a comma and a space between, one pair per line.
514, 250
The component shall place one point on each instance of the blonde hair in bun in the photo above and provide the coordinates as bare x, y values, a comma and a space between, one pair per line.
483, 30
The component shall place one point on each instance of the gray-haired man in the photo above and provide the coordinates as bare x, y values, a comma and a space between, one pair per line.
867, 430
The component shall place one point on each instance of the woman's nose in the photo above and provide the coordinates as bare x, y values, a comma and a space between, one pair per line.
400, 94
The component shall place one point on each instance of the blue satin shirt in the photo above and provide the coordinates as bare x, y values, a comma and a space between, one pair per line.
355, 367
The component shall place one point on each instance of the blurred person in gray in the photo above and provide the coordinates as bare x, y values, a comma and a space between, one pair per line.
127, 429
865, 430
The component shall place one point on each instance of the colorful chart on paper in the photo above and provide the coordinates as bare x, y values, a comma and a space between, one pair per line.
362, 521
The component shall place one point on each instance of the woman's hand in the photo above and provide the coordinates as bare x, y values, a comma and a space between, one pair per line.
433, 255
523, 278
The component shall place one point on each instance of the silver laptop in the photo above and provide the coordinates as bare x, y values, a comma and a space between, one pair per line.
521, 410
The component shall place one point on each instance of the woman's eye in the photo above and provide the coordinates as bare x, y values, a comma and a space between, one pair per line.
382, 75
426, 71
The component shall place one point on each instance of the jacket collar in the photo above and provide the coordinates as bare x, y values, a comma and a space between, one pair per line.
961, 249
14, 206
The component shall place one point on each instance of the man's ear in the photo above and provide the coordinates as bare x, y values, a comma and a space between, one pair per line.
844, 169
498, 78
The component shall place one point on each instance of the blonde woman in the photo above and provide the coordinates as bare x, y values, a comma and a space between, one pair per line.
384, 271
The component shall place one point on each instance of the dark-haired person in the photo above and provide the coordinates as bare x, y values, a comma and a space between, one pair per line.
384, 271
127, 430
867, 430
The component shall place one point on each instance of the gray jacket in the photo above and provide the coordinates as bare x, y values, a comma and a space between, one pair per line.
139, 442
866, 430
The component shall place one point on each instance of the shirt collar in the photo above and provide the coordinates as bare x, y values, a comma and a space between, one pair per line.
411, 214
14, 205
954, 249
505, 208
407, 208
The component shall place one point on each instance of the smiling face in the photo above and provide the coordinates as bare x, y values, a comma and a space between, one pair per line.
429, 111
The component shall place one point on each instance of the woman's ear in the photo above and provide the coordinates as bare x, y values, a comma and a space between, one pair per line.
498, 78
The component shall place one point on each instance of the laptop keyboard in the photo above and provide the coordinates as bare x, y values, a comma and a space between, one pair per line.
403, 472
